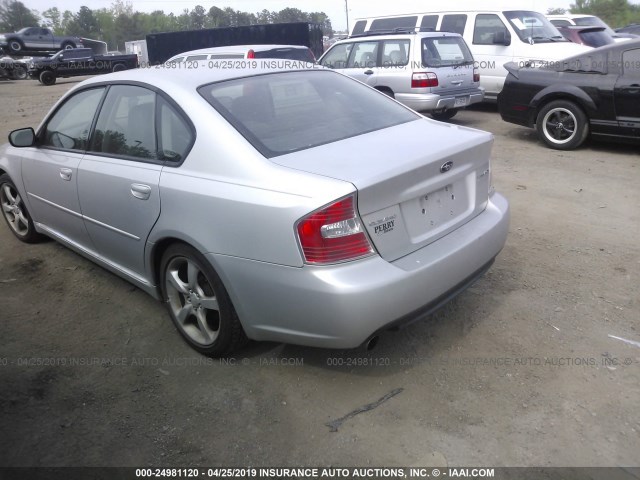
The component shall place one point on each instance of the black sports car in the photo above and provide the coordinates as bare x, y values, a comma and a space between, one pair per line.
596, 92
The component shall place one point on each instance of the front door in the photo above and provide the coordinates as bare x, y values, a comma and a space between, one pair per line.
50, 170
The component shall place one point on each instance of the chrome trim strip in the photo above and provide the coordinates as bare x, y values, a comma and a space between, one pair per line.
60, 207
84, 217
109, 227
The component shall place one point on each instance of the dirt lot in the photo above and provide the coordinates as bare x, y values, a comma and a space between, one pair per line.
518, 371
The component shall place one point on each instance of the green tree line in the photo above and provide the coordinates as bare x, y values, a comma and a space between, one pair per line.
120, 23
616, 13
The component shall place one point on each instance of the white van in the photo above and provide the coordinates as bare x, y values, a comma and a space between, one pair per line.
494, 37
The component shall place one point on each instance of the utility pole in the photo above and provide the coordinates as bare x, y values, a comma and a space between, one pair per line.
346, 11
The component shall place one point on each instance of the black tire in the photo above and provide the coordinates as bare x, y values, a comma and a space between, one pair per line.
562, 125
15, 45
198, 303
15, 212
19, 72
68, 45
118, 67
443, 115
47, 77
387, 92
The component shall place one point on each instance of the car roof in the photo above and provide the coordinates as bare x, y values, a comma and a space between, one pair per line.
176, 79
236, 49
388, 35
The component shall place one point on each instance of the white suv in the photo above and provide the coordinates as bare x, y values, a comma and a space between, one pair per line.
426, 71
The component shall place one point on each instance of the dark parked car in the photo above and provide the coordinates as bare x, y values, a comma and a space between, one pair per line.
633, 29
595, 93
590, 36
12, 69
79, 61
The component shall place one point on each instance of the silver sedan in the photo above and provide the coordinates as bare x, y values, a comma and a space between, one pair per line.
290, 205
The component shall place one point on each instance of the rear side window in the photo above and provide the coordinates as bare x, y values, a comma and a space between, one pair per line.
445, 52
126, 123
454, 23
69, 126
175, 134
337, 57
285, 112
391, 23
631, 63
359, 27
486, 27
193, 58
429, 22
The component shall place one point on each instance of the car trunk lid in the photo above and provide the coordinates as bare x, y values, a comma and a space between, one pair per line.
415, 182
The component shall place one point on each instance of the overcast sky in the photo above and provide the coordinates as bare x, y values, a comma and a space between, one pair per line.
335, 9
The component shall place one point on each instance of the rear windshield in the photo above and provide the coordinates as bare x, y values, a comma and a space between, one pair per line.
596, 39
445, 52
284, 112
302, 54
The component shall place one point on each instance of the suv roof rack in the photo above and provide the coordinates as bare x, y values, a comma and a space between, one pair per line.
396, 31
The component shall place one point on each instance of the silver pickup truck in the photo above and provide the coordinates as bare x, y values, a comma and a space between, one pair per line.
36, 39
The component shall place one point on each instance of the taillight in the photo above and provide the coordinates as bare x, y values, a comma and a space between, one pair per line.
476, 75
333, 234
251, 54
423, 80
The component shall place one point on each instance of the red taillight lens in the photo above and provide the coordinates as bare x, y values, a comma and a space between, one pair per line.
423, 80
251, 54
333, 234
476, 75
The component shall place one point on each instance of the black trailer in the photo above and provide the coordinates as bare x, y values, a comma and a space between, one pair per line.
162, 46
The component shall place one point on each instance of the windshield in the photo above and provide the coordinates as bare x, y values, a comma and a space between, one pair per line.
533, 27
280, 113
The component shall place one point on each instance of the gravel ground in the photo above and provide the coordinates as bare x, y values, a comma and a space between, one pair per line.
520, 370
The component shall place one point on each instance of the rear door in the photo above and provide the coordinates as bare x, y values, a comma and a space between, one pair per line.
627, 94
50, 172
451, 60
118, 178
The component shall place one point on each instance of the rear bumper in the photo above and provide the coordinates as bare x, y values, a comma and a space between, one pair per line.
341, 306
424, 102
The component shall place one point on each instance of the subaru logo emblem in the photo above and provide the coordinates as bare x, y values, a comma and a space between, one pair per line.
446, 167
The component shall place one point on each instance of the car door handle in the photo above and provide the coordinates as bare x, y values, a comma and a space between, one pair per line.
140, 191
66, 173
456, 82
633, 88
368, 72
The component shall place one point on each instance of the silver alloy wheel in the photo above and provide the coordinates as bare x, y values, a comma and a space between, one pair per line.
559, 125
12, 210
15, 46
192, 301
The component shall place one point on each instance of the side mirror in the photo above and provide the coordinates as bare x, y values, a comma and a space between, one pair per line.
24, 137
502, 37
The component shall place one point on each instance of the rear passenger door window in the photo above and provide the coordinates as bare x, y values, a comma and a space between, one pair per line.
126, 124
395, 53
454, 23
363, 55
486, 27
